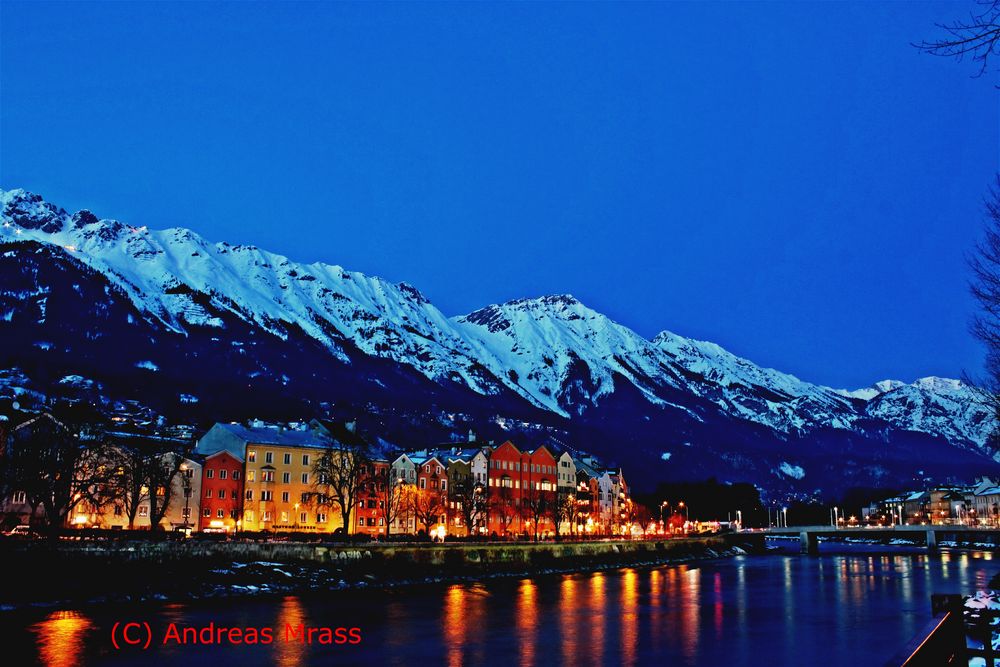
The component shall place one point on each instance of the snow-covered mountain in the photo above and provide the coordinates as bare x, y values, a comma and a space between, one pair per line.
551, 355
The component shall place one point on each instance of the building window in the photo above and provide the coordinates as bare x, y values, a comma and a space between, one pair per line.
251, 456
303, 517
248, 515
286, 477
305, 459
265, 516
284, 517
143, 510
265, 496
19, 498
288, 459
423, 483
118, 510
209, 473
361, 521
233, 514
267, 475
305, 478
268, 457
249, 494
220, 513
444, 485
251, 475
304, 498
236, 474
321, 518
222, 494
284, 496
222, 474
207, 512
438, 470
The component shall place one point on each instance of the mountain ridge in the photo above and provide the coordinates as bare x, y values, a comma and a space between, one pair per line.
552, 352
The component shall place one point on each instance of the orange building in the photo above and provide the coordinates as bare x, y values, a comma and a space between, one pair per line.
221, 492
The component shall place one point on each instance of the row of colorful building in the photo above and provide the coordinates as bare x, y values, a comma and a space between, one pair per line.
264, 477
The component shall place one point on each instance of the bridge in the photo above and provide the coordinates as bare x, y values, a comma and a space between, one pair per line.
930, 535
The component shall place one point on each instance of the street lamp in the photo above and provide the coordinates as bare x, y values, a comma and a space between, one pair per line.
186, 483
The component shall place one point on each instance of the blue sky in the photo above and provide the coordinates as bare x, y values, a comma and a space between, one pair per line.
792, 181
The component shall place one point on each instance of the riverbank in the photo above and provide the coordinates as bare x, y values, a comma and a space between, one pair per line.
41, 572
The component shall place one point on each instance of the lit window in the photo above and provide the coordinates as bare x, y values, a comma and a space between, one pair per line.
251, 456
221, 513
207, 512
284, 517
251, 475
143, 510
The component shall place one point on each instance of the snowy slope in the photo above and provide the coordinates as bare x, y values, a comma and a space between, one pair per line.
161, 270
554, 352
935, 405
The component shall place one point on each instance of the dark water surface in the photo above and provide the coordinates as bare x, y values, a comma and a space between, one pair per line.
855, 607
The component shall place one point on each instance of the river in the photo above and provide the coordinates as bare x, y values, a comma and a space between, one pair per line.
854, 605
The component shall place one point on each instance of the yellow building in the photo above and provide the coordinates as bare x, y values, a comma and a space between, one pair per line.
279, 485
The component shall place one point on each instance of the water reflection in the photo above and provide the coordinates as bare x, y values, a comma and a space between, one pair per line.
60, 638
568, 615
291, 614
799, 610
629, 615
527, 621
597, 606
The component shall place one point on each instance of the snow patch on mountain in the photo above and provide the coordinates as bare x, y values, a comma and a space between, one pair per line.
554, 351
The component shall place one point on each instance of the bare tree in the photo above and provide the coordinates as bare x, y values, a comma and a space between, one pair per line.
470, 500
427, 507
985, 287
976, 38
566, 510
537, 505
503, 507
340, 474
161, 468
391, 494
46, 460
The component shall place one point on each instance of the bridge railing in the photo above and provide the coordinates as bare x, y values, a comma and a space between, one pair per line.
954, 636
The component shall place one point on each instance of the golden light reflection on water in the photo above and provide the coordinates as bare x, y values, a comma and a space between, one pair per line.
630, 616
289, 653
690, 591
464, 612
61, 638
527, 621
454, 624
598, 608
568, 615
655, 607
